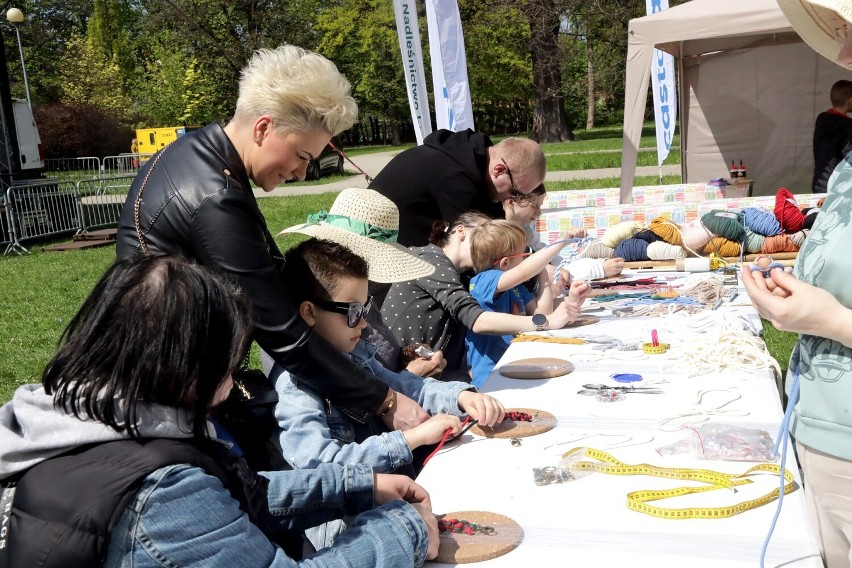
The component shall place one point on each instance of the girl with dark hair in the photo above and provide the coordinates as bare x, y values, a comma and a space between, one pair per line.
113, 462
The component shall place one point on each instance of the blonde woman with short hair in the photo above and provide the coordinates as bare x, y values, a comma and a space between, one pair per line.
195, 198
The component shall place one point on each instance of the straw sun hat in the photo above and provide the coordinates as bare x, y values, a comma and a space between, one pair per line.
822, 24
367, 223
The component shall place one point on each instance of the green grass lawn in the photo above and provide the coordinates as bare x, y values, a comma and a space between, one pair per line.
42, 291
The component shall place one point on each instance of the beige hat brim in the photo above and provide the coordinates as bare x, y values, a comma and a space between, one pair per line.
815, 21
388, 262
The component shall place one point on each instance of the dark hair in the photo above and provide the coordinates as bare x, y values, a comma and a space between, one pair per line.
156, 329
315, 266
840, 92
441, 230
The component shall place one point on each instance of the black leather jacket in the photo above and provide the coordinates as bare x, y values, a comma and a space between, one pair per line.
198, 203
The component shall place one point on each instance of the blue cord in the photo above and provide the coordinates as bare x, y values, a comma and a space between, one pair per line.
781, 440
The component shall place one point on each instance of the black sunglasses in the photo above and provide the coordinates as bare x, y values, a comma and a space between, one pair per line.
354, 311
514, 192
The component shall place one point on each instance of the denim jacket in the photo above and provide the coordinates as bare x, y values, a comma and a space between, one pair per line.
182, 516
313, 431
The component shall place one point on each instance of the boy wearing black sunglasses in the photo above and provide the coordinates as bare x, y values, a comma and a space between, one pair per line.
328, 283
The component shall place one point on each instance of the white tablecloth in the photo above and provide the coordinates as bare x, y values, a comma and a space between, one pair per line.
586, 522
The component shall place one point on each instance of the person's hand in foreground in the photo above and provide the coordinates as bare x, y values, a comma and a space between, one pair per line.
428, 366
431, 431
486, 410
792, 305
563, 314
578, 291
613, 266
389, 487
405, 414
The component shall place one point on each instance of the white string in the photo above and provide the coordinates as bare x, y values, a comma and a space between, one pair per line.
626, 443
693, 279
733, 350
707, 321
701, 412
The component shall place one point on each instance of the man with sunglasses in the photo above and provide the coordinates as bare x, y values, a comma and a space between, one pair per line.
456, 172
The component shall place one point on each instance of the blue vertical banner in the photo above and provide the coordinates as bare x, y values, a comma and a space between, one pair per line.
408, 31
663, 86
453, 109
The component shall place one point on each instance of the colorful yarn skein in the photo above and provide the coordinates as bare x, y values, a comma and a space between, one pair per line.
666, 230
632, 250
722, 246
726, 224
799, 238
620, 232
753, 241
596, 249
647, 235
778, 243
662, 250
787, 211
695, 236
761, 221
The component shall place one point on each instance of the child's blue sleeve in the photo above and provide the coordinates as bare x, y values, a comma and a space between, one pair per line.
306, 437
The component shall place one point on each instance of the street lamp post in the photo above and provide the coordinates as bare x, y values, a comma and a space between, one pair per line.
14, 16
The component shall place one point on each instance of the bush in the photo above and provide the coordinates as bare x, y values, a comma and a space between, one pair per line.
70, 131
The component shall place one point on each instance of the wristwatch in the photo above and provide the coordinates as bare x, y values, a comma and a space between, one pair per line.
539, 321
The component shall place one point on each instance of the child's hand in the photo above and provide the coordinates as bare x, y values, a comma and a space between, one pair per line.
428, 367
578, 292
613, 266
486, 410
574, 233
564, 313
431, 431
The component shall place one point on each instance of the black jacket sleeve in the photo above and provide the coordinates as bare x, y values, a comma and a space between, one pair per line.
232, 237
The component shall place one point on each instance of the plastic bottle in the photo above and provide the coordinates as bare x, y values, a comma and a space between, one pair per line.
742, 170
734, 171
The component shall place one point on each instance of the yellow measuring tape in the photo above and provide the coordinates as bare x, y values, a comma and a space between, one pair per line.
637, 500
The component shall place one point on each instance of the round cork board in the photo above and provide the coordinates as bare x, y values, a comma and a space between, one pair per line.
461, 548
542, 422
583, 320
536, 368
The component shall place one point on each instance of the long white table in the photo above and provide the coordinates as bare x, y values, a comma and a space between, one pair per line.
586, 522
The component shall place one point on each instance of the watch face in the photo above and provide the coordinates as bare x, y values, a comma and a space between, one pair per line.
539, 319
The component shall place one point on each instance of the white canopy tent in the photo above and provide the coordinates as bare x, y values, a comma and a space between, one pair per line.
749, 89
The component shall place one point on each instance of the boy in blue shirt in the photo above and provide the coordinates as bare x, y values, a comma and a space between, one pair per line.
502, 265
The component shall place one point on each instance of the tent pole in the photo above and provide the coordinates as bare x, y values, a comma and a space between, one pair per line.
680, 96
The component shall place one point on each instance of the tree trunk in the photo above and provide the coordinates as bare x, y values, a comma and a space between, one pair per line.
550, 124
590, 108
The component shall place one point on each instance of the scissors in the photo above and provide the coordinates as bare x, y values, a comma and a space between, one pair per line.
591, 390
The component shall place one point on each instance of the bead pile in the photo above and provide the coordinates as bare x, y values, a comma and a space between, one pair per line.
462, 526
516, 416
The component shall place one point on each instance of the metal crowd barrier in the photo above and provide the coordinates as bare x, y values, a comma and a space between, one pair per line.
125, 164
41, 210
46, 209
67, 169
101, 201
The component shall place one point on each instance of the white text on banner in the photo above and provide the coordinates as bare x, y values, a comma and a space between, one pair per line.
663, 85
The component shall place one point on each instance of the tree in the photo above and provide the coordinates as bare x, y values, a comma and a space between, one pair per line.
499, 66
87, 79
360, 37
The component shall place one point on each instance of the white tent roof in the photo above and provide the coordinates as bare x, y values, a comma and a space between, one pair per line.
696, 30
